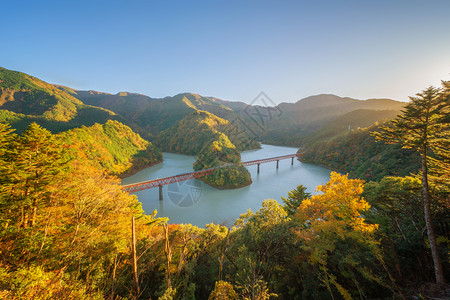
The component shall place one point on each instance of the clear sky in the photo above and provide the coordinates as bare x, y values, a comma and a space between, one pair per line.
230, 49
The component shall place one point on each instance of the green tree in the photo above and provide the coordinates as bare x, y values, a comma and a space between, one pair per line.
424, 127
7, 143
396, 204
33, 163
294, 199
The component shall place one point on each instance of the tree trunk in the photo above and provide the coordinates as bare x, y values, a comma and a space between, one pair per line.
439, 273
25, 220
221, 258
113, 279
133, 251
33, 216
168, 253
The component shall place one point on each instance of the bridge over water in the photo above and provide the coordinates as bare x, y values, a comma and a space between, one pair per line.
139, 186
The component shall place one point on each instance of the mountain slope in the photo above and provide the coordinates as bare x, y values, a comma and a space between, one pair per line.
198, 129
111, 146
150, 116
286, 124
357, 153
299, 120
25, 99
360, 118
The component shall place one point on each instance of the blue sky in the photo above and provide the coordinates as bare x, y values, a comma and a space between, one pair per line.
231, 49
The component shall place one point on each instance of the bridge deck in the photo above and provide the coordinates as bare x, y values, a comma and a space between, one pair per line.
139, 186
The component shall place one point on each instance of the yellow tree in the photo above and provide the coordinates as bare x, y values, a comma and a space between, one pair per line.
332, 218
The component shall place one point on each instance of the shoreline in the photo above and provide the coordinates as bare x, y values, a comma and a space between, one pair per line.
227, 187
133, 170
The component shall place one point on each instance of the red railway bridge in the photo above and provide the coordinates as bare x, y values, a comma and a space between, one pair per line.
139, 186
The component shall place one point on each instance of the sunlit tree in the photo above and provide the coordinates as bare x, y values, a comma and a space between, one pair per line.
335, 235
424, 127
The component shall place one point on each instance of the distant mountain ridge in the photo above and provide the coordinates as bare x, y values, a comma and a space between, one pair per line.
149, 116
24, 99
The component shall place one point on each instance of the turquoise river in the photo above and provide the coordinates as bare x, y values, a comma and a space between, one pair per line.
197, 203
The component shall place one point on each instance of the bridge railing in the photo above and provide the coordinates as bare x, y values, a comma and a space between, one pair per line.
149, 184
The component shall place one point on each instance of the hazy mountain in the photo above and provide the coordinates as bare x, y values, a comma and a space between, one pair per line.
360, 118
298, 120
124, 103
316, 111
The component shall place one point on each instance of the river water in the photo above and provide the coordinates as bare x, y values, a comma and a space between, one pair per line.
197, 203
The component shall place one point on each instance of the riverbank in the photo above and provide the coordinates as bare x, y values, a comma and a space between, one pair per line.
135, 169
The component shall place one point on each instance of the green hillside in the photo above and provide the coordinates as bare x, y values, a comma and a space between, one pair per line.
347, 146
356, 153
197, 130
25, 99
299, 120
284, 124
111, 146
149, 116
360, 118
220, 152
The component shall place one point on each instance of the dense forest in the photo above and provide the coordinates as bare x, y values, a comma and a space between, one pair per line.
199, 129
357, 153
25, 99
112, 146
69, 231
218, 153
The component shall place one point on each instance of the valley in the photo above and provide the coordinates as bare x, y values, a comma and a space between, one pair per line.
348, 218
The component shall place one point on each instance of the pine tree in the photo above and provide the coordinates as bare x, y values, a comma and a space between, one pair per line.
7, 143
295, 198
423, 126
36, 159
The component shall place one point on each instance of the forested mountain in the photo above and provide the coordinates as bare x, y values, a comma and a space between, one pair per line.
150, 116
107, 142
111, 146
199, 129
299, 120
222, 152
185, 123
286, 123
360, 118
357, 153
346, 145
25, 99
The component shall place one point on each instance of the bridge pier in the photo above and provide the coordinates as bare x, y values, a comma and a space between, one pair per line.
136, 187
257, 170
